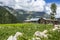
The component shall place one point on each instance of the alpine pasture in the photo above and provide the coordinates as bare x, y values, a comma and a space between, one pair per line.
28, 30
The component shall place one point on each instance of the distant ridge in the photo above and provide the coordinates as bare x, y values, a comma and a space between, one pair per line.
22, 15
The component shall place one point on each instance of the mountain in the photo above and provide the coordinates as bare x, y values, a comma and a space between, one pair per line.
6, 16
22, 15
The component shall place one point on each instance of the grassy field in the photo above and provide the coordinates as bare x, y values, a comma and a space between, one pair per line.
28, 29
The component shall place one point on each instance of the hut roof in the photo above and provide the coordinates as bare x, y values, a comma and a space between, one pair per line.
33, 19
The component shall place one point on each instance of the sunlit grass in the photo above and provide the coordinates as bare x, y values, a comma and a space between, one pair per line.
27, 28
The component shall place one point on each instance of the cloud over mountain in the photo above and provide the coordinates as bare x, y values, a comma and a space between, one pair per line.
10, 3
31, 5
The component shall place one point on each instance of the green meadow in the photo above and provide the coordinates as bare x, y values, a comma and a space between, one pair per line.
28, 29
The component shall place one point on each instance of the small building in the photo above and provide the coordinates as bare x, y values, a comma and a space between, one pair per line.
34, 20
48, 21
42, 21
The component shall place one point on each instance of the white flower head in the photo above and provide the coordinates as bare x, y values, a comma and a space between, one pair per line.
55, 28
37, 33
37, 38
56, 25
18, 34
46, 36
10, 37
45, 31
15, 36
41, 34
33, 38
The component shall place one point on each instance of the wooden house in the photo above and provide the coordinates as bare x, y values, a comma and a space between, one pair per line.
42, 21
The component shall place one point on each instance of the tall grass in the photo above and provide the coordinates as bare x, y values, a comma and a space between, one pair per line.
27, 28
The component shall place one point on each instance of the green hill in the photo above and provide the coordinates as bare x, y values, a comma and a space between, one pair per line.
6, 16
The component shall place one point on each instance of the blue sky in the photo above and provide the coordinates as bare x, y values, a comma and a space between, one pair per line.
50, 1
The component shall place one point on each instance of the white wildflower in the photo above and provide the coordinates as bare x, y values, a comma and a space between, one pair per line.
33, 38
37, 33
56, 25
45, 31
18, 34
10, 37
46, 36
15, 36
55, 28
37, 38
41, 34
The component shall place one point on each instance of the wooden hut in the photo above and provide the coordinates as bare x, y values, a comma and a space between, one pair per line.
42, 21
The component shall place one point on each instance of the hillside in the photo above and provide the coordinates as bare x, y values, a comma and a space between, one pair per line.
22, 15
6, 16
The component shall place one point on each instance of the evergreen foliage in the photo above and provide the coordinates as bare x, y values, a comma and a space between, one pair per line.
6, 16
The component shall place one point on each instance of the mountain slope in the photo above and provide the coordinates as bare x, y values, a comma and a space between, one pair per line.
22, 15
6, 16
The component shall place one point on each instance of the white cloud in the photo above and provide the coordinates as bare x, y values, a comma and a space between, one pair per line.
58, 11
8, 2
30, 5
48, 10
